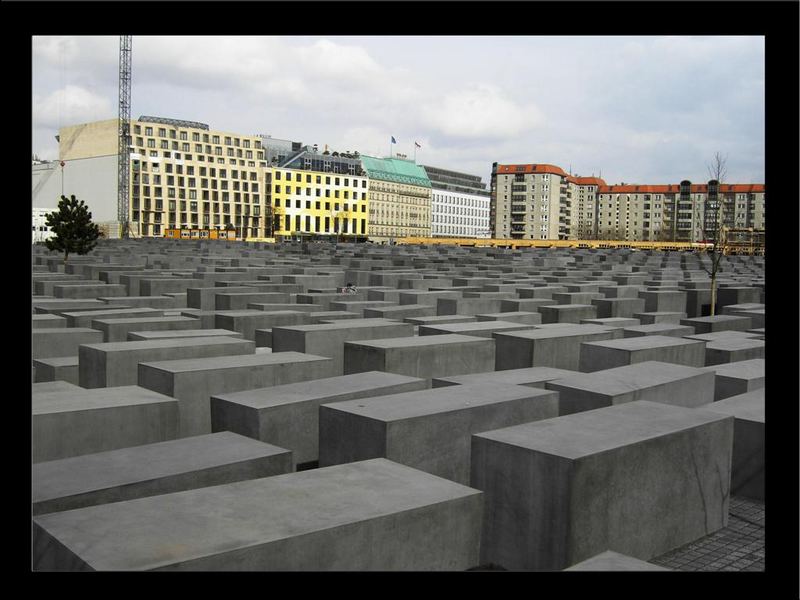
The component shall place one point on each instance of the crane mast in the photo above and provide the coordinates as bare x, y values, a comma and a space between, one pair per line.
123, 164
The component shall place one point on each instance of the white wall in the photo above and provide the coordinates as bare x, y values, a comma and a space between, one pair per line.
93, 180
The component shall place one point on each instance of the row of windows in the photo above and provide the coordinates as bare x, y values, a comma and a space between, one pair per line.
196, 136
336, 180
318, 205
198, 148
305, 224
318, 193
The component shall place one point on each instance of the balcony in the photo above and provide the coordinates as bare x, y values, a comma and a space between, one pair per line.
517, 208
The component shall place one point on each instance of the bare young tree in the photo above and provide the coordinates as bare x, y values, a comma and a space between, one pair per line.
713, 222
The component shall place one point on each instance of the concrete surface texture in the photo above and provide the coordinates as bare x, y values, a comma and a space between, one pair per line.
153, 469
430, 429
288, 415
193, 381
344, 517
634, 436
641, 477
426, 356
651, 380
98, 420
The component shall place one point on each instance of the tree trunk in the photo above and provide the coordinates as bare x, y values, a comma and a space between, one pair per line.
713, 292
66, 256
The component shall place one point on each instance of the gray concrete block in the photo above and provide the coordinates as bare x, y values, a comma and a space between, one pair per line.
733, 350
650, 318
70, 422
85, 318
669, 329
114, 364
718, 323
467, 306
140, 336
525, 304
545, 292
48, 322
153, 469
288, 415
425, 357
64, 368
86, 291
663, 301
528, 318
193, 381
59, 341
642, 478
430, 429
400, 312
621, 322
478, 328
440, 319
204, 298
343, 518
735, 378
165, 302
556, 345
117, 330
329, 315
247, 321
597, 356
239, 300
618, 307
530, 377
58, 305
651, 380
328, 339
567, 313
614, 561
748, 410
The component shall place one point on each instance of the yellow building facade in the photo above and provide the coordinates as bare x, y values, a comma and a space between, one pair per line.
317, 204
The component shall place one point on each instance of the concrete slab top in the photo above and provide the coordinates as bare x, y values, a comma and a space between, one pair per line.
645, 341
164, 343
161, 530
511, 376
102, 470
417, 341
734, 343
560, 330
143, 320
717, 319
58, 361
92, 399
340, 324
718, 335
54, 387
743, 369
328, 387
454, 398
749, 406
614, 561
183, 365
479, 326
63, 330
622, 380
184, 333
591, 432
247, 312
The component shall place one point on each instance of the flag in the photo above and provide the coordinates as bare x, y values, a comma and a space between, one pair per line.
394, 141
417, 145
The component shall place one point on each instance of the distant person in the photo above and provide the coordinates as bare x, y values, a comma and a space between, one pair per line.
350, 289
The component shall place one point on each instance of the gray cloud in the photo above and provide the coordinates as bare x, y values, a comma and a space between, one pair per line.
643, 109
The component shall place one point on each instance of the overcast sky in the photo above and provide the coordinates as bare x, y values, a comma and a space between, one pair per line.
637, 109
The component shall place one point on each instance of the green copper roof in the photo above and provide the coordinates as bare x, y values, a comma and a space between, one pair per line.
396, 170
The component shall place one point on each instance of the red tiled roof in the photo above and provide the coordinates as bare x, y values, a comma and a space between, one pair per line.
513, 169
587, 181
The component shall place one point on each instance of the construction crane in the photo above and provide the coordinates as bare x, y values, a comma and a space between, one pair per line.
124, 149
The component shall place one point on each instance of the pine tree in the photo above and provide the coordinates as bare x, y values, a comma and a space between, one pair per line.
72, 227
